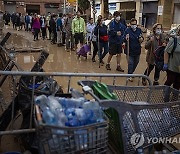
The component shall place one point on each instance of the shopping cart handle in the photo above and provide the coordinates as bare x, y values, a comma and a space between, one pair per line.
86, 89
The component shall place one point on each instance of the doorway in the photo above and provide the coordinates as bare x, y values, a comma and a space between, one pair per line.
33, 9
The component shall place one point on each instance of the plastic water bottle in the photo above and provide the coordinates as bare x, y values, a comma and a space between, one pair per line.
42, 101
48, 116
81, 139
79, 102
72, 118
81, 115
97, 112
89, 115
61, 118
54, 104
66, 103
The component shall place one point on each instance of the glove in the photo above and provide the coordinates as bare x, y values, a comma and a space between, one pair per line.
165, 67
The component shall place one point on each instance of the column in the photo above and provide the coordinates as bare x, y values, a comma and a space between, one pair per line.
166, 17
139, 8
102, 8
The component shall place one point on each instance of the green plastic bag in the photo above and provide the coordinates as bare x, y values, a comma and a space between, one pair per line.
101, 90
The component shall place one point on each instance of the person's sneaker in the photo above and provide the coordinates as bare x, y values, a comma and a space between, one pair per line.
130, 79
144, 82
108, 67
119, 69
155, 83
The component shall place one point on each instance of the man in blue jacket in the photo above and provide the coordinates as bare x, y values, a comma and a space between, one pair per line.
116, 31
133, 38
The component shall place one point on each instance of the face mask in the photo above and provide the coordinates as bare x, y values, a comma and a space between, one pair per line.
118, 18
158, 31
134, 27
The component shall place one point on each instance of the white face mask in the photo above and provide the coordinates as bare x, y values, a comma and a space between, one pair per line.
158, 31
134, 27
118, 18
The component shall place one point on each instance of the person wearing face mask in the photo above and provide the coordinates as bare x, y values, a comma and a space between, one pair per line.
172, 61
43, 26
48, 26
36, 26
67, 27
133, 39
52, 24
89, 28
78, 29
153, 42
116, 31
59, 27
101, 32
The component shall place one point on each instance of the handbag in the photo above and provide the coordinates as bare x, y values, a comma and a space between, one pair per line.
104, 38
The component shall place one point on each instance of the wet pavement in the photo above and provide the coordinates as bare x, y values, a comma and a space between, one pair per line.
60, 60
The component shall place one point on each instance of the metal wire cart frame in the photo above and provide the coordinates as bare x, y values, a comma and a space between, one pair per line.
149, 111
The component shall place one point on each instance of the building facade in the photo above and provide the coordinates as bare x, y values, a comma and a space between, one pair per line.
33, 6
147, 12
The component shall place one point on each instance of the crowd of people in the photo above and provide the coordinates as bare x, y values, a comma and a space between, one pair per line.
115, 38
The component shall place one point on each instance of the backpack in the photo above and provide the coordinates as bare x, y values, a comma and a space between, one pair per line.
159, 54
159, 57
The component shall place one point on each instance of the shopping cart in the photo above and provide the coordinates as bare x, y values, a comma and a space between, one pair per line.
149, 111
69, 80
91, 138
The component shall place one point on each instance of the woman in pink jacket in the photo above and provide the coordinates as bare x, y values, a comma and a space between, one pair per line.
36, 26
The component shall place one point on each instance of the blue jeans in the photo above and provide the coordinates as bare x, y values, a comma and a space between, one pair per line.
132, 64
103, 45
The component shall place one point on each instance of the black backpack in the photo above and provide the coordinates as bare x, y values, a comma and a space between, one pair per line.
159, 57
159, 54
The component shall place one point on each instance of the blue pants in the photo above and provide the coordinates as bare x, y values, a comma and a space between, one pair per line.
132, 64
103, 45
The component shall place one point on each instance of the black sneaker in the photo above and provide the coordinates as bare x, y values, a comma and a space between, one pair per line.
108, 67
144, 82
119, 69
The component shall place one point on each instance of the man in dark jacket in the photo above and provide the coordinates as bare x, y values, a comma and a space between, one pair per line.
27, 22
116, 31
133, 38
52, 24
6, 18
43, 26
101, 32
13, 19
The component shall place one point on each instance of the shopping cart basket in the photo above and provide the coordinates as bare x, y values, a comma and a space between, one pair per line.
127, 118
69, 140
